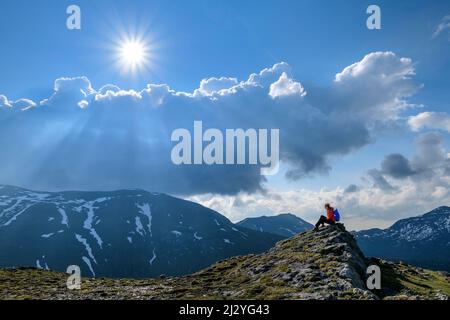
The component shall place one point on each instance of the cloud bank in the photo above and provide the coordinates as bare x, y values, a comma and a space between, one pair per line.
400, 187
108, 138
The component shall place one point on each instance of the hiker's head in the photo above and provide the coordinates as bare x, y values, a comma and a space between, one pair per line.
327, 206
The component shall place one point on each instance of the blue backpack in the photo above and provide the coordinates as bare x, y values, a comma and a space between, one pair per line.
337, 215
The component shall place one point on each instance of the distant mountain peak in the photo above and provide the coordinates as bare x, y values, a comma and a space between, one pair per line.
287, 214
285, 224
439, 210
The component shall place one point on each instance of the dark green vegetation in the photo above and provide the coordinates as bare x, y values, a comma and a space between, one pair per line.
313, 265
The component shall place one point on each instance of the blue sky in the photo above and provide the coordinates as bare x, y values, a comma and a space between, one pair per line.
195, 40
235, 38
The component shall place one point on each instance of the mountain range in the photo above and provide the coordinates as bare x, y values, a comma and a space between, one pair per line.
422, 241
139, 234
127, 233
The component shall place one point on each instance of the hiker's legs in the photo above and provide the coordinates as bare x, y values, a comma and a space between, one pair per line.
324, 220
321, 221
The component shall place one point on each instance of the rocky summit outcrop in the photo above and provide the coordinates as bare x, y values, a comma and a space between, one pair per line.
325, 264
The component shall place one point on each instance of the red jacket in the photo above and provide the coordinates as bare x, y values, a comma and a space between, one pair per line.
330, 214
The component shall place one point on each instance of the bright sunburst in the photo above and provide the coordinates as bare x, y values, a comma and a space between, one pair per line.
133, 55
132, 52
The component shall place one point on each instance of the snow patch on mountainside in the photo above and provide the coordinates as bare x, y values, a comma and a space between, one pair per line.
145, 210
176, 233
38, 196
22, 202
4, 202
14, 217
43, 265
64, 218
48, 235
414, 233
153, 257
21, 208
139, 226
447, 224
90, 211
88, 263
197, 237
86, 246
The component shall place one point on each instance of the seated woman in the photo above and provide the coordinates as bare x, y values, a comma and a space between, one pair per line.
329, 219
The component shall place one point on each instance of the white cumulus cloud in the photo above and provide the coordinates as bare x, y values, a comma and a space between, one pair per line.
430, 120
286, 87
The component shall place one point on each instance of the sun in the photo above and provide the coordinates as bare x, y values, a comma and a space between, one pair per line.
133, 54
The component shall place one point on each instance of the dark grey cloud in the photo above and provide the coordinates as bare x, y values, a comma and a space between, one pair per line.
351, 188
379, 181
84, 138
431, 151
397, 166
431, 162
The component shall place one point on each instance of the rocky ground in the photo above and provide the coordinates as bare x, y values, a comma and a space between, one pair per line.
312, 265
